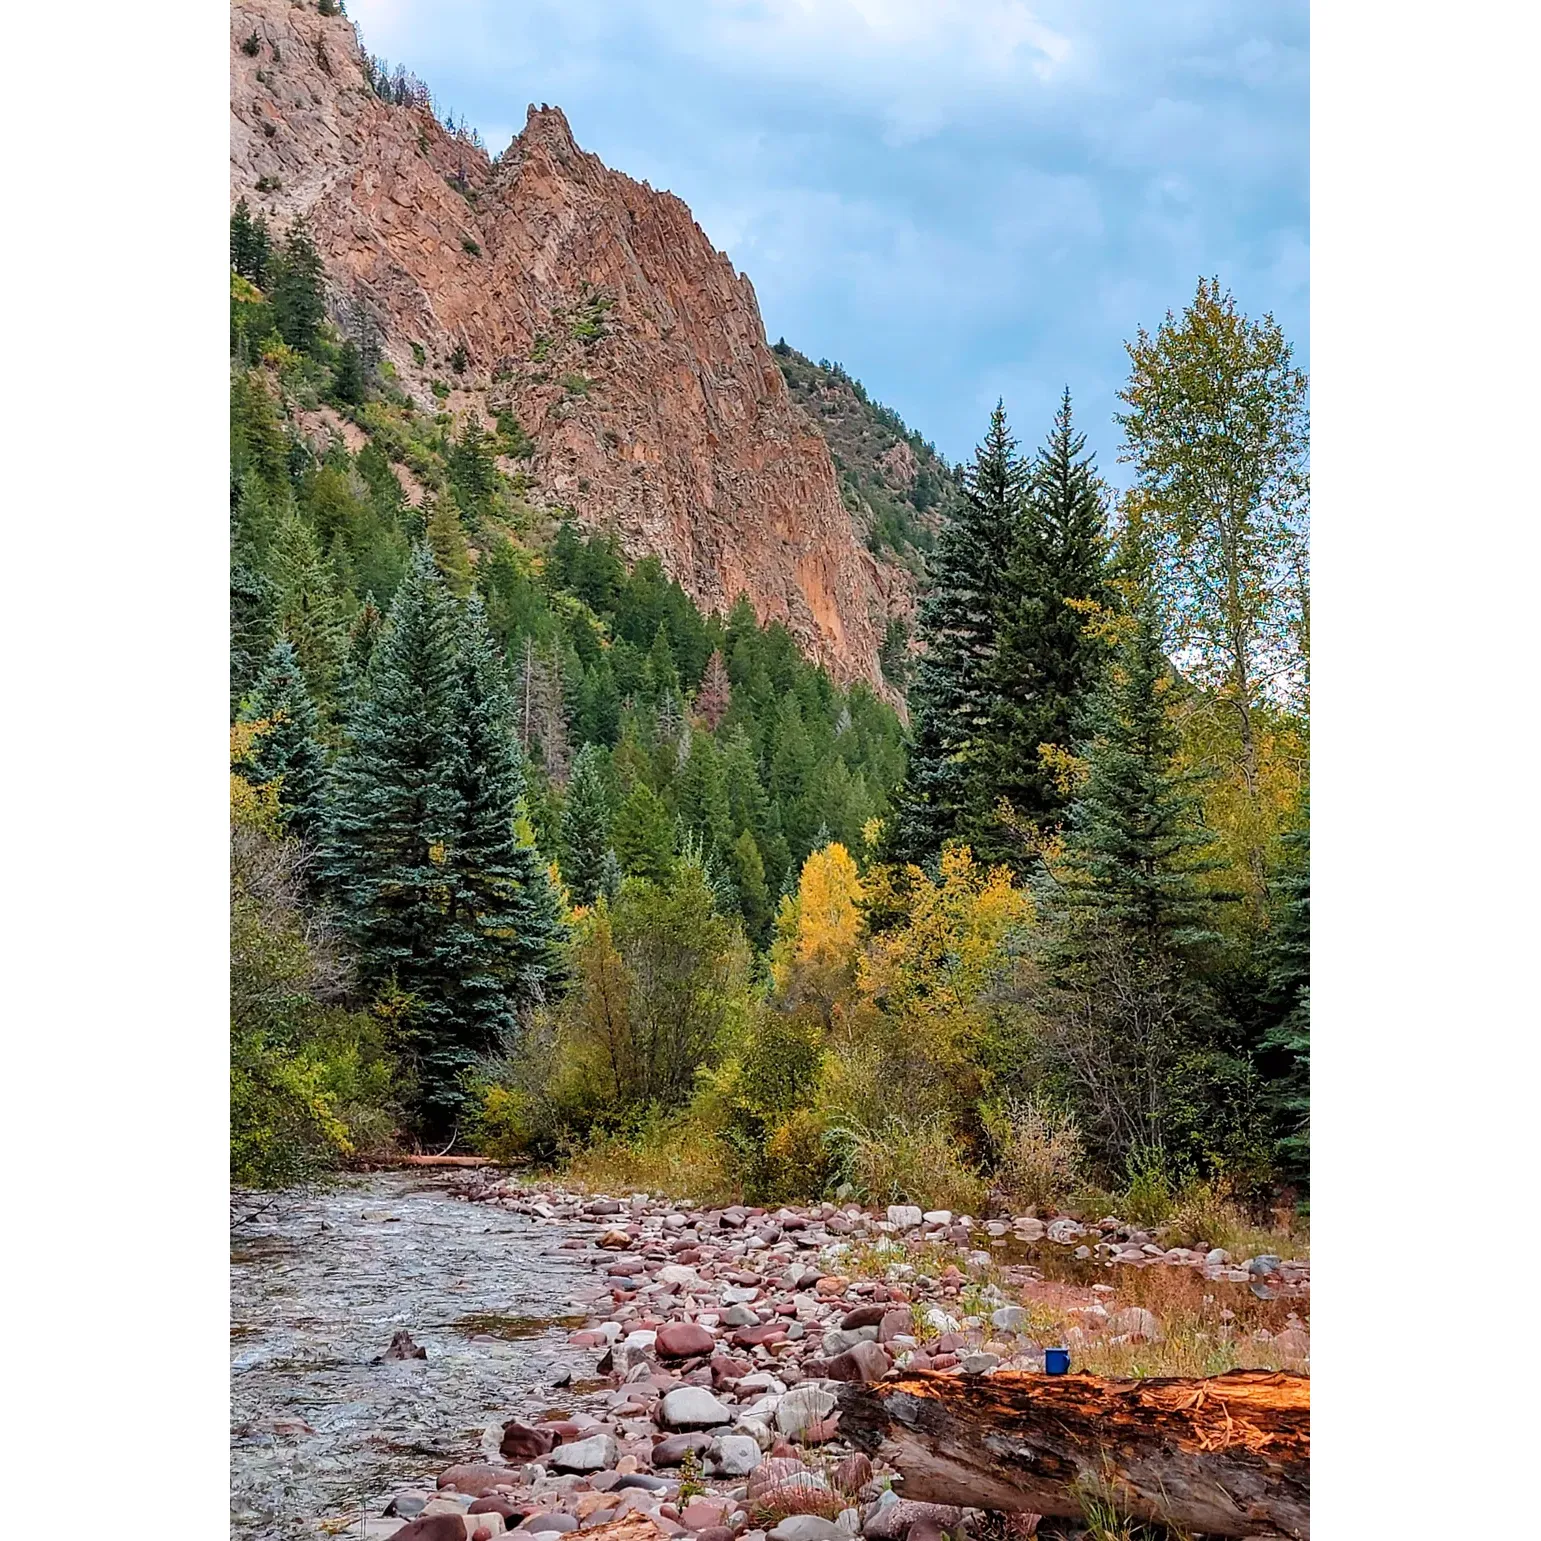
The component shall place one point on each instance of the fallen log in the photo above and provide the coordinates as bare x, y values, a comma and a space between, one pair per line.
1226, 1456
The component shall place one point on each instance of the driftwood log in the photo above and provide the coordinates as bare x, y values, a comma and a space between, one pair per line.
1226, 1456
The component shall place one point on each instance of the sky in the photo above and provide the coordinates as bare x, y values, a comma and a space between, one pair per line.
958, 200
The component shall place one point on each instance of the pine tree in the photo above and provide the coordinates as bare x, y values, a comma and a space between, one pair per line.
250, 246
502, 899
701, 795
1289, 988
1140, 1042
349, 385
955, 698
585, 830
288, 749
540, 710
473, 470
1135, 842
747, 869
307, 609
395, 812
298, 294
1046, 665
644, 835
447, 540
715, 697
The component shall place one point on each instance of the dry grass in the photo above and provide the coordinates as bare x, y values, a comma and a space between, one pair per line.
1205, 1329
1039, 1155
676, 1162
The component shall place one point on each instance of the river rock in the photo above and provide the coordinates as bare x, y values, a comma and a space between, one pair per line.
888, 1522
1063, 1231
434, 1527
806, 1527
1137, 1323
596, 1453
1009, 1319
860, 1362
402, 1347
522, 1442
904, 1217
801, 1407
734, 1455
549, 1524
683, 1340
863, 1316
938, 1217
670, 1452
692, 1407
478, 1479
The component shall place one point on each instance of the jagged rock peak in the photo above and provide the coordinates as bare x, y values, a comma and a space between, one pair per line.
591, 306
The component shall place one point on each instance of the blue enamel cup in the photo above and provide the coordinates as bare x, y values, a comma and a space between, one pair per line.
1056, 1361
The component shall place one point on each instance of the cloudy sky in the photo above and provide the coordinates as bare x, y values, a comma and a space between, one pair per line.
957, 199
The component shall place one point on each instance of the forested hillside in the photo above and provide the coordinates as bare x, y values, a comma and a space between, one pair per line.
531, 856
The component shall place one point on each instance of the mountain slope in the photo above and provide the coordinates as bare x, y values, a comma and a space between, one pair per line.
588, 304
891, 479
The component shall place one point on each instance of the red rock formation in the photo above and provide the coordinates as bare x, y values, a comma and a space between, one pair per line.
592, 305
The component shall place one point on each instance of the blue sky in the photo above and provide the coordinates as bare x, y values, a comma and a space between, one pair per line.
957, 199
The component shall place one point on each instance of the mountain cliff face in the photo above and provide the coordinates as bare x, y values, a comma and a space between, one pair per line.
590, 305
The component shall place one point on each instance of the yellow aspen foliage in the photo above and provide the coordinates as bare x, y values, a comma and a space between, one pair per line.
252, 805
818, 931
953, 945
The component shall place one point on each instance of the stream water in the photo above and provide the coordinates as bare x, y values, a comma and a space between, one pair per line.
320, 1281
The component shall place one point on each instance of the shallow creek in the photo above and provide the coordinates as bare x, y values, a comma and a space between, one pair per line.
318, 1284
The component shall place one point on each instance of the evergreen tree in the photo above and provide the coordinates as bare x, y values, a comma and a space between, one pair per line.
473, 469
1046, 665
747, 869
307, 611
250, 246
701, 795
447, 540
1135, 841
395, 812
586, 827
1289, 989
289, 748
349, 384
1140, 1043
502, 898
644, 835
955, 698
298, 294
715, 697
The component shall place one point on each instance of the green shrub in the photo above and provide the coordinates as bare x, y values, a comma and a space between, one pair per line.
467, 244
459, 359
251, 45
419, 357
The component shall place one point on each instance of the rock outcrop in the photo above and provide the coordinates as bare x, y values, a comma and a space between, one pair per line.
590, 305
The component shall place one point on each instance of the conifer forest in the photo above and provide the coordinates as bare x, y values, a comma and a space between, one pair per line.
533, 859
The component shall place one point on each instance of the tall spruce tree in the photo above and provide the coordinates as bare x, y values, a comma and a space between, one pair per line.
1047, 664
1288, 1041
307, 609
585, 830
1139, 1042
955, 698
298, 293
250, 246
395, 812
502, 896
288, 750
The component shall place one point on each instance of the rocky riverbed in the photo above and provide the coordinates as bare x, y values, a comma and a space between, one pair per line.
698, 1396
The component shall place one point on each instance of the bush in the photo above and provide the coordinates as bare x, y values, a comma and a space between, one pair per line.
1040, 1154
251, 45
460, 358
675, 1158
470, 246
908, 1162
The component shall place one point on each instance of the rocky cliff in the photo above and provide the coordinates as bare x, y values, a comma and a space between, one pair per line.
589, 304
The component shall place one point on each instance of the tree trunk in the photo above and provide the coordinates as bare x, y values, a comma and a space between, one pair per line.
1227, 1456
